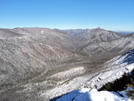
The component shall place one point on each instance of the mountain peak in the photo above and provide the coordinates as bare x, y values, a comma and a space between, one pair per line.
98, 28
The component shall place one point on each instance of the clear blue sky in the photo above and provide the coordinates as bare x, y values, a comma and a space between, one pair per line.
68, 14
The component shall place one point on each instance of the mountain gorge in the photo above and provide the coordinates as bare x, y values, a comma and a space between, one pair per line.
41, 63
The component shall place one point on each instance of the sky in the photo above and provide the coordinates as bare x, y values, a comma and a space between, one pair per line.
117, 15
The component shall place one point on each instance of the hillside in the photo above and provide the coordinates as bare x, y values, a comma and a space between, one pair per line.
117, 69
28, 52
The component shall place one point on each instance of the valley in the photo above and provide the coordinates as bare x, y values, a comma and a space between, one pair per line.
39, 64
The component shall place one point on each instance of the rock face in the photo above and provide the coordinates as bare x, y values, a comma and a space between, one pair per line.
33, 57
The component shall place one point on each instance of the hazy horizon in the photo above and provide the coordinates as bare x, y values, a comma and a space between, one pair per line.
115, 15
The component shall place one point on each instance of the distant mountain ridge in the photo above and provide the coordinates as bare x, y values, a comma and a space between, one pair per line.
93, 41
124, 32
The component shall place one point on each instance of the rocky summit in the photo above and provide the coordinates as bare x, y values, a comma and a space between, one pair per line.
39, 64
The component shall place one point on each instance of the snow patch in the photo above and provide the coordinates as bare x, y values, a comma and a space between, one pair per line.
92, 95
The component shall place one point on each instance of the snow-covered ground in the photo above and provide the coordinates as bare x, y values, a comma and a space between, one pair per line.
109, 72
86, 94
115, 69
